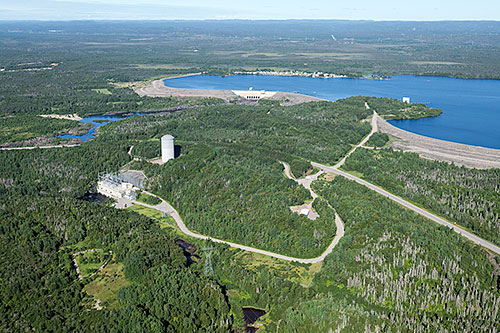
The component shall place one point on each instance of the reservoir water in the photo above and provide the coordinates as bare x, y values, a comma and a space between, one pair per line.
471, 108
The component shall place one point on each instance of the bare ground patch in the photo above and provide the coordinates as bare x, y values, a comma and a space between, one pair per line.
312, 215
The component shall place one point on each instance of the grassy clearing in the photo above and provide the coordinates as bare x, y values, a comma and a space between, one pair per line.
104, 91
89, 262
106, 284
339, 56
155, 215
294, 272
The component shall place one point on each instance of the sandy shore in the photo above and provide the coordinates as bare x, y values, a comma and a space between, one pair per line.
73, 116
440, 150
158, 89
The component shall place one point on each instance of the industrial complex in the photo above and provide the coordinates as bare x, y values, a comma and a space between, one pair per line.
114, 186
126, 183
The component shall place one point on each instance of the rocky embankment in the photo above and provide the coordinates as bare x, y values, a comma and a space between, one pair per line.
434, 149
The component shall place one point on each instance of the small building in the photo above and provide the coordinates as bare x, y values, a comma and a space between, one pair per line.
304, 211
406, 100
113, 186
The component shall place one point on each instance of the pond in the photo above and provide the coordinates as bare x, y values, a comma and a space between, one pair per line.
251, 315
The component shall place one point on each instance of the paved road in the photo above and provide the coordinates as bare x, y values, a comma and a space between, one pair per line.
412, 207
401, 201
168, 209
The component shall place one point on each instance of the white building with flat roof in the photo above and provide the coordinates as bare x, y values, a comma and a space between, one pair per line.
406, 100
112, 186
254, 95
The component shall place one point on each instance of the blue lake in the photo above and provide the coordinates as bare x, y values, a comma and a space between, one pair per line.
471, 108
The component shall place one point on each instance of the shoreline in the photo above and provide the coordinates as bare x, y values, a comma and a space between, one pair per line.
461, 154
347, 76
440, 150
158, 88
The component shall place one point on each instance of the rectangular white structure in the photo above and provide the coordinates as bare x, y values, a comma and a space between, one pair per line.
406, 100
113, 187
167, 148
254, 94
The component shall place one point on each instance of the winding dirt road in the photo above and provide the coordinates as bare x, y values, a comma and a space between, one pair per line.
168, 209
306, 182
374, 129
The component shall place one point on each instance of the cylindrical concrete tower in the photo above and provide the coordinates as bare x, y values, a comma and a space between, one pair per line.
167, 148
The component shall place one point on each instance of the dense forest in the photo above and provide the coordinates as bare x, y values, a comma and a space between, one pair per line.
313, 131
468, 197
395, 270
39, 285
241, 196
392, 270
129, 51
44, 224
393, 109
377, 140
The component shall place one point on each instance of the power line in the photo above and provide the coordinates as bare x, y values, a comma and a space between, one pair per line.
208, 261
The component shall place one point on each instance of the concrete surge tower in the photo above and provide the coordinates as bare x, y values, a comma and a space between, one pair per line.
167, 148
